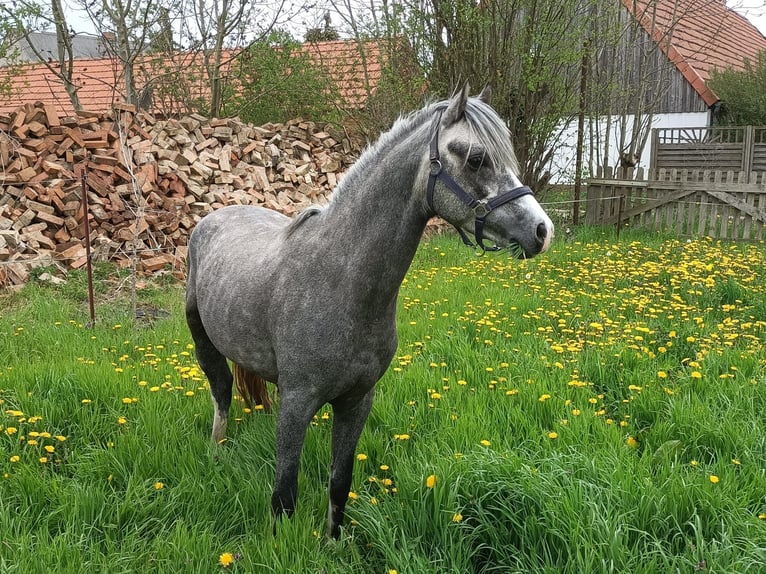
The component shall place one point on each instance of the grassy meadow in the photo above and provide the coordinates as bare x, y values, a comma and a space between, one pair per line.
601, 408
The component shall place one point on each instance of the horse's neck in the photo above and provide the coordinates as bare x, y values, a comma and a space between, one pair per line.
378, 215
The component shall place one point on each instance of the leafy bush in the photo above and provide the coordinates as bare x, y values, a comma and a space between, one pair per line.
743, 93
275, 80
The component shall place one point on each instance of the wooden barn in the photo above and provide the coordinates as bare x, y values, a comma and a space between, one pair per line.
666, 54
694, 179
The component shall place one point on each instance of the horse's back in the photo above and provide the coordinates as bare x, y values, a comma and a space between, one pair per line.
235, 228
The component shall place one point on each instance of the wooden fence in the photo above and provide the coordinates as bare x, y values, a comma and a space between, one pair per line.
687, 202
740, 149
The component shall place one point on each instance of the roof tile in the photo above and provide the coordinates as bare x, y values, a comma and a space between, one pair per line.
699, 36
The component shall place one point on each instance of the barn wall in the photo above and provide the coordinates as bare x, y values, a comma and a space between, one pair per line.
562, 166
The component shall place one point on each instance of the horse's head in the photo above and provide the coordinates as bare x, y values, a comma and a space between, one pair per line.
473, 181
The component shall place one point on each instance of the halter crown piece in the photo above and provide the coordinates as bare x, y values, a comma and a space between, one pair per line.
481, 207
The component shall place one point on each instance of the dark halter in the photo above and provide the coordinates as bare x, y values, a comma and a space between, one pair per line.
481, 208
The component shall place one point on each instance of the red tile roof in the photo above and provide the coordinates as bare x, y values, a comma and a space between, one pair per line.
99, 81
699, 36
356, 67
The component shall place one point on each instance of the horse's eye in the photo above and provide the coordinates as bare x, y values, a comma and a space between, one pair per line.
475, 161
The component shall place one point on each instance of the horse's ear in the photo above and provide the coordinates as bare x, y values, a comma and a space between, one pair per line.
486, 94
456, 107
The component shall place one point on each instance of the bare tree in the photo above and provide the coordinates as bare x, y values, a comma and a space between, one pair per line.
529, 51
27, 16
219, 30
126, 28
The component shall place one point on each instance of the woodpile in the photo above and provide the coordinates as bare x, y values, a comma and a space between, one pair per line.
147, 181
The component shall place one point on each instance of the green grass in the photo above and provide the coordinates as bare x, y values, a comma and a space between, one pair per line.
597, 409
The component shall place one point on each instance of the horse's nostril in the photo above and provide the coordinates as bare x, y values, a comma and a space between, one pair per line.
542, 232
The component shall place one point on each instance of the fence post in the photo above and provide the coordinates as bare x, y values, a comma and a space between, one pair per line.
86, 232
655, 148
748, 144
620, 209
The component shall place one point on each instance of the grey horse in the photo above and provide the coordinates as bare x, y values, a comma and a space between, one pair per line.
309, 304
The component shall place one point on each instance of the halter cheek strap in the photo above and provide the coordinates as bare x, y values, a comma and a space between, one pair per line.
481, 208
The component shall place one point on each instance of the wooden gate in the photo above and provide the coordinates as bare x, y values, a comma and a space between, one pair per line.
699, 203
737, 148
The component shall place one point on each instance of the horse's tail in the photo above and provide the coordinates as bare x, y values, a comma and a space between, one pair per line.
252, 388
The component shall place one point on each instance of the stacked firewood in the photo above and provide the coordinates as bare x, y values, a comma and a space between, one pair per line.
147, 182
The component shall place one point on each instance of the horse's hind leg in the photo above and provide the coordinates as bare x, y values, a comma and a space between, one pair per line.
295, 412
349, 417
216, 367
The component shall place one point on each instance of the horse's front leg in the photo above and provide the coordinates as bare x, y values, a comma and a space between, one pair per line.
295, 413
350, 415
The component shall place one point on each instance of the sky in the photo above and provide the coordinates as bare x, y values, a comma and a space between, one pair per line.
753, 10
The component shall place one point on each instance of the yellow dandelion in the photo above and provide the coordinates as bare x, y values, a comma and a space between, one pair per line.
553, 435
352, 495
431, 481
122, 420
15, 458
484, 442
631, 442
159, 485
714, 479
696, 375
49, 448
226, 559
361, 456
457, 517
544, 398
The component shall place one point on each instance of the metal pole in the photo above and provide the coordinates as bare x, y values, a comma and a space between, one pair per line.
86, 232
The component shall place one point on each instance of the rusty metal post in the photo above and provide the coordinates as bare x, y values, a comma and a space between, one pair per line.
620, 210
86, 232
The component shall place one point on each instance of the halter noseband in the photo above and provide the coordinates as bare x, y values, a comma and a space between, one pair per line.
481, 207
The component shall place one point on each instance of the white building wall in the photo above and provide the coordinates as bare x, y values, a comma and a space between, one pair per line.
562, 166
